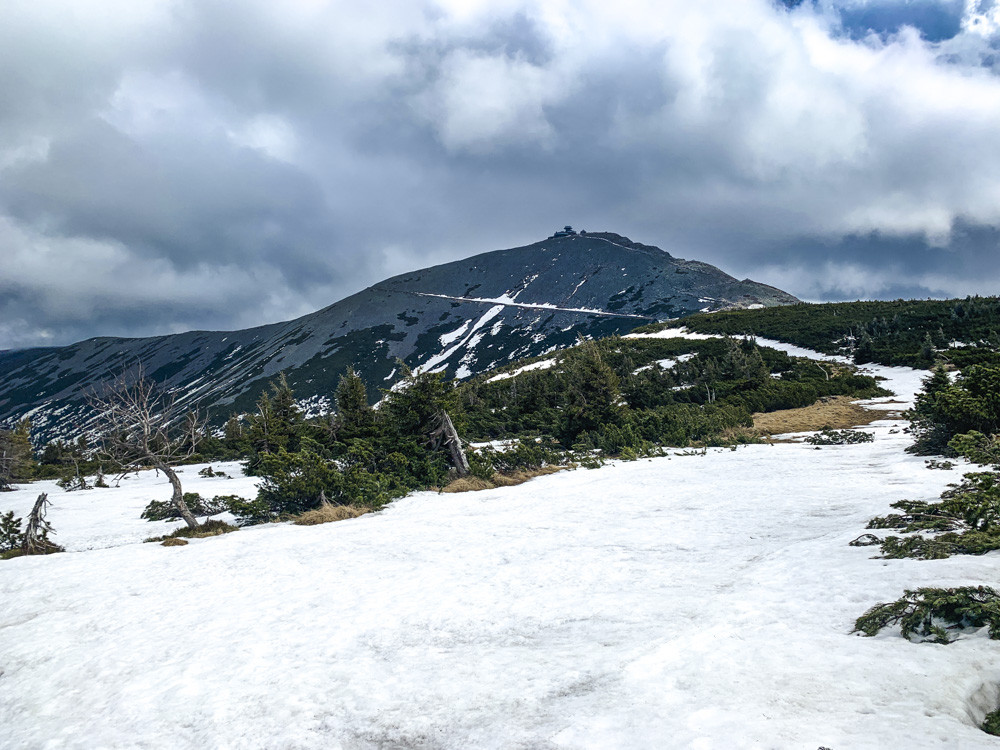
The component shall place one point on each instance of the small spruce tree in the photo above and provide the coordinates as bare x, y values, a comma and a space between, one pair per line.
354, 415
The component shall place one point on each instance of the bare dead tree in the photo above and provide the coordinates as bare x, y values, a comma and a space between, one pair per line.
446, 434
136, 429
36, 535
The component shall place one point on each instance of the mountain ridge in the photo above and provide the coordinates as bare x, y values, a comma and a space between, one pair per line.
461, 318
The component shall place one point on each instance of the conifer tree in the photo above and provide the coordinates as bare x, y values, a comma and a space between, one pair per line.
927, 348
277, 423
864, 349
234, 436
945, 409
16, 459
355, 416
412, 408
591, 392
288, 417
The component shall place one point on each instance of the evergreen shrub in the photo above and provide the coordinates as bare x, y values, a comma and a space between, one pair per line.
926, 614
827, 436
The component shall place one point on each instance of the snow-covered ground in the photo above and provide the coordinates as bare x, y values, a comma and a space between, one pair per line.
92, 519
682, 602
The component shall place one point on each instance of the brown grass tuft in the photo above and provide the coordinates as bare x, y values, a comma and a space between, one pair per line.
473, 484
329, 513
173, 542
741, 435
509, 480
835, 412
468, 484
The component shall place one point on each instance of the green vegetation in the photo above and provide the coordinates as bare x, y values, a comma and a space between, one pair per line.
16, 461
927, 614
991, 724
916, 333
959, 418
945, 410
616, 397
164, 510
965, 521
360, 456
204, 530
11, 533
613, 395
841, 437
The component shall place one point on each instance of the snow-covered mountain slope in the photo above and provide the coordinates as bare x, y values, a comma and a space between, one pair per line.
691, 601
462, 318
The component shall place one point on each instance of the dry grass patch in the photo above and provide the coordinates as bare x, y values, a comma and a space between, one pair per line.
520, 477
835, 412
173, 542
473, 484
740, 435
468, 484
328, 514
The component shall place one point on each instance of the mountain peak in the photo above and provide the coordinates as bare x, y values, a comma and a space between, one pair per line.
615, 239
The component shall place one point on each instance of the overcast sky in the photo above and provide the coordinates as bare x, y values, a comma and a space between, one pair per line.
176, 164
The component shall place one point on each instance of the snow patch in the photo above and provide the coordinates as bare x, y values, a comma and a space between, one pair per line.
671, 333
544, 364
438, 362
667, 363
506, 300
448, 338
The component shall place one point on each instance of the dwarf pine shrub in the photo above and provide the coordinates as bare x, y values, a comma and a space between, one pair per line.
10, 532
164, 510
991, 723
965, 521
826, 436
927, 614
206, 529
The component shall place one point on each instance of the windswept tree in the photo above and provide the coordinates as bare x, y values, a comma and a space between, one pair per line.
139, 426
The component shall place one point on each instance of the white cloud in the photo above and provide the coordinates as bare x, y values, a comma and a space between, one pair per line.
482, 102
299, 140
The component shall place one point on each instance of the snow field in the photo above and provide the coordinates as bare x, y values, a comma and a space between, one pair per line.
92, 519
680, 602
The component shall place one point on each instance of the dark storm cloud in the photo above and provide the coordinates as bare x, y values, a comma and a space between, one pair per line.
177, 164
188, 199
875, 265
